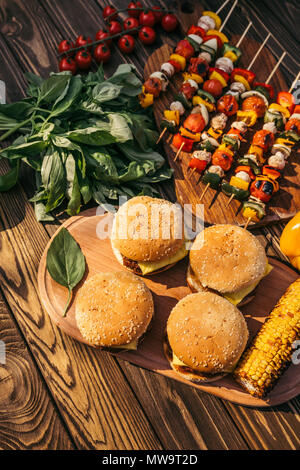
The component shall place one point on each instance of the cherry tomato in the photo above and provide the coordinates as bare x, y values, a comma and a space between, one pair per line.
254, 103
83, 41
158, 14
109, 10
194, 123
147, 35
101, 34
147, 18
83, 60
263, 139
222, 159
126, 43
228, 105
169, 22
213, 87
68, 64
131, 23
293, 125
132, 9
153, 86
114, 27
102, 53
64, 46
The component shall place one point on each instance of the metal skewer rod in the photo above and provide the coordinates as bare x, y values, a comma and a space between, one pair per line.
259, 51
294, 82
228, 15
244, 34
275, 68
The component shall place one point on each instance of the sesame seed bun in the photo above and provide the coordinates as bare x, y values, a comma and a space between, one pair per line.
113, 309
226, 259
208, 334
147, 229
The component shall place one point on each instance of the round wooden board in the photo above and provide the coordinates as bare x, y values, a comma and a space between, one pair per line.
167, 288
283, 205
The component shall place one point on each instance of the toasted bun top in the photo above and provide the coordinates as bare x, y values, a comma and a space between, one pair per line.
113, 308
227, 258
148, 229
207, 332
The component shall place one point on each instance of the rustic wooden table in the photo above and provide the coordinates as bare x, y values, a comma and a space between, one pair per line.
56, 393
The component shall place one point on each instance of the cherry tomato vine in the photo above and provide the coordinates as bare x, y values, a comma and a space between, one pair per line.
79, 55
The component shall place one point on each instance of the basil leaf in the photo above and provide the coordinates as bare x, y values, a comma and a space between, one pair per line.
53, 87
9, 179
65, 262
73, 91
105, 92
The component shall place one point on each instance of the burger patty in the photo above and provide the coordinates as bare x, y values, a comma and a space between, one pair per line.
132, 265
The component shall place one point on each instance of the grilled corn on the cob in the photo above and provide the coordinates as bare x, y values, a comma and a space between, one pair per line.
271, 350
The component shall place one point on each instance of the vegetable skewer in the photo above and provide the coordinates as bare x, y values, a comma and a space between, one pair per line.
208, 42
186, 48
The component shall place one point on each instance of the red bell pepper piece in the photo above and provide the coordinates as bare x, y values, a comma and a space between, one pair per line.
268, 87
199, 165
287, 100
247, 74
178, 140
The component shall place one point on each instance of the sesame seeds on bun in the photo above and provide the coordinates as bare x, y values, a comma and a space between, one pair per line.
113, 309
147, 229
207, 334
227, 259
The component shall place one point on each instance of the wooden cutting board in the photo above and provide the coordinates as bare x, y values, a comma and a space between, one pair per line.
284, 204
167, 288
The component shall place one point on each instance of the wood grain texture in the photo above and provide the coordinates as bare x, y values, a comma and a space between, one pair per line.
167, 288
210, 421
25, 403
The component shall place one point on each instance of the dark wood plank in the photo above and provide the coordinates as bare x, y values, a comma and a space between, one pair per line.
29, 418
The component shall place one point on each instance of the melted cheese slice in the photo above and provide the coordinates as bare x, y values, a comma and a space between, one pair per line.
148, 267
237, 297
130, 346
177, 362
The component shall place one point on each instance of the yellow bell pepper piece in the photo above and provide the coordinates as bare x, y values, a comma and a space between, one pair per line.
214, 16
146, 99
198, 100
194, 136
286, 142
172, 116
214, 32
239, 183
193, 76
290, 241
249, 117
241, 79
226, 147
178, 58
231, 55
217, 76
249, 213
258, 151
281, 109
215, 133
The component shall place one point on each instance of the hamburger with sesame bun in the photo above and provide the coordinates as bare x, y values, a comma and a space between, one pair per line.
206, 336
227, 260
148, 235
114, 310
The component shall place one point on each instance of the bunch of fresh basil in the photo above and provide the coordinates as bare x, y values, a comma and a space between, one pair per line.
86, 137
